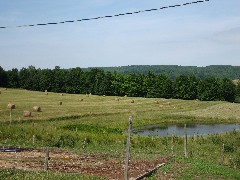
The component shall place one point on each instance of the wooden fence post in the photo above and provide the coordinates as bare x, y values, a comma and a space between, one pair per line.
46, 159
33, 139
126, 174
223, 149
10, 117
172, 147
185, 141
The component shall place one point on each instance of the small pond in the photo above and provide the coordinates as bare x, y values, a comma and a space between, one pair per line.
178, 130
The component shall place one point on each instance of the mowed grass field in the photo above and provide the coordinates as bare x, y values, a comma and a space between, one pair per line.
98, 124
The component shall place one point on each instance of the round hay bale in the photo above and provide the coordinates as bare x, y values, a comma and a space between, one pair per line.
36, 109
81, 99
90, 94
117, 99
11, 106
132, 101
0, 92
45, 90
26, 114
46, 93
157, 102
60, 103
161, 106
61, 94
5, 88
104, 95
125, 96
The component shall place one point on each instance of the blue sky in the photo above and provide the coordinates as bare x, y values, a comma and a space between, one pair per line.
195, 35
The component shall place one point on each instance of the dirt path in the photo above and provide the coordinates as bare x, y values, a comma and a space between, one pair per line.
90, 164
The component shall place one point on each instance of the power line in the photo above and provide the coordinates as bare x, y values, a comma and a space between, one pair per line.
101, 17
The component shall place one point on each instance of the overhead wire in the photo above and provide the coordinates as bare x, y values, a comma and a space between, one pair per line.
107, 16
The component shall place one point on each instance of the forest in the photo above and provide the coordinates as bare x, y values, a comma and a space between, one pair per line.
187, 86
220, 71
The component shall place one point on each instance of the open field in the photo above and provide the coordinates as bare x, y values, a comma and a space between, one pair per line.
89, 127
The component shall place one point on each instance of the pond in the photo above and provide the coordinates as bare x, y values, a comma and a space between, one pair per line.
178, 130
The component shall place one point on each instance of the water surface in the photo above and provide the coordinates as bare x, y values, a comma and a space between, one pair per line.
192, 129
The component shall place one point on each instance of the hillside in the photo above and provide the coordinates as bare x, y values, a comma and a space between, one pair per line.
220, 71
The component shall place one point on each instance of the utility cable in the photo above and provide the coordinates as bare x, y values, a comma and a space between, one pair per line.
101, 17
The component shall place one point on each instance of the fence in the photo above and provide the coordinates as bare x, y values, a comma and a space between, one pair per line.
55, 159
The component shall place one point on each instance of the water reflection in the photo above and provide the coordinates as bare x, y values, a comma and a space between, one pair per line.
192, 129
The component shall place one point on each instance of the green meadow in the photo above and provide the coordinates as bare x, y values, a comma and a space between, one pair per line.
98, 124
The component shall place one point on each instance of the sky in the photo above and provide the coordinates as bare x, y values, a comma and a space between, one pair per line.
195, 35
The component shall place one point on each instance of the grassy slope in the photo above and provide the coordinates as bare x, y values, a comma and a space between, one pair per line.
96, 124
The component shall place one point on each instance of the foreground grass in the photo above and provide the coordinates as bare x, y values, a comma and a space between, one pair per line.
97, 124
8, 174
181, 168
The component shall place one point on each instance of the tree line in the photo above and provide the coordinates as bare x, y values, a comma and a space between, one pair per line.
100, 82
173, 71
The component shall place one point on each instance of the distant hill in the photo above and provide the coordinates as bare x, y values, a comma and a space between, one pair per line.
221, 71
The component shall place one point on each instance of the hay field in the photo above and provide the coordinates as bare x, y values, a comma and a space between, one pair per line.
144, 110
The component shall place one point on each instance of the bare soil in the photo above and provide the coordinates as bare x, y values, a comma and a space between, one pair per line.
102, 165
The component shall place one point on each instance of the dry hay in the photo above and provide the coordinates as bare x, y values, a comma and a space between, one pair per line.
11, 106
26, 114
236, 81
132, 101
36, 109
60, 103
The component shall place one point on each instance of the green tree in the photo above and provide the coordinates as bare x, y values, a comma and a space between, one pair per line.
228, 90
117, 84
150, 84
209, 89
29, 78
46, 80
157, 85
106, 85
238, 92
13, 78
3, 78
59, 80
93, 82
185, 87
163, 86
133, 85
75, 81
